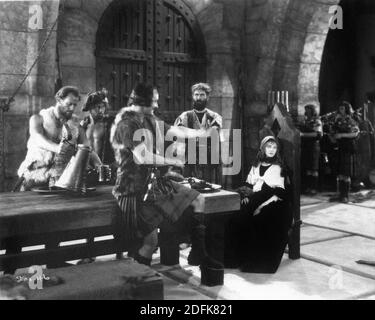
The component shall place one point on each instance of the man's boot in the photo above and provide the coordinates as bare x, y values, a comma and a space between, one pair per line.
344, 187
198, 254
313, 185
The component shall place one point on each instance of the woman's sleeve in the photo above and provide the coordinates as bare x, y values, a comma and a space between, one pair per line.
250, 177
277, 191
274, 178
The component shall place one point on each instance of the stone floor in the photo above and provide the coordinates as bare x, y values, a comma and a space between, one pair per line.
333, 237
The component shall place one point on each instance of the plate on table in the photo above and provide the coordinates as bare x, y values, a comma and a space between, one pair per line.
49, 190
203, 186
210, 188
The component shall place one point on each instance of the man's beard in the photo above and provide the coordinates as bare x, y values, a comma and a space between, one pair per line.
68, 115
199, 105
98, 117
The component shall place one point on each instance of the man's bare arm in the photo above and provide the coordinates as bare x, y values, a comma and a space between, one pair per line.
94, 158
37, 133
144, 156
187, 133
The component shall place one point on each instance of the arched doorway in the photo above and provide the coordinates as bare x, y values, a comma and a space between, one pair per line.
155, 41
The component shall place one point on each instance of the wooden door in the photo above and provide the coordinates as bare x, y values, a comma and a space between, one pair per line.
154, 41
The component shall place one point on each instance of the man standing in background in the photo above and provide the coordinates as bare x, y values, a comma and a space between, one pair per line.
200, 117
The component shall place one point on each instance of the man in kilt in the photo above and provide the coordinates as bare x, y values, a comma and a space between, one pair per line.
145, 192
345, 130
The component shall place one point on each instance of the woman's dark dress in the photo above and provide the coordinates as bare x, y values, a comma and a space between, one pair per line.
257, 243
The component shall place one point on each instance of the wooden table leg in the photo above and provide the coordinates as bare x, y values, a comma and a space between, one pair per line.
215, 235
169, 248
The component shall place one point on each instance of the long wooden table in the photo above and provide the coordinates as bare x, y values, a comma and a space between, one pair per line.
29, 219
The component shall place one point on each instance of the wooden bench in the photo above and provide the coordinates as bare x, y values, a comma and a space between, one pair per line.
43, 222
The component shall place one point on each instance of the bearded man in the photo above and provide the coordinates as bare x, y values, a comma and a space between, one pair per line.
200, 117
54, 135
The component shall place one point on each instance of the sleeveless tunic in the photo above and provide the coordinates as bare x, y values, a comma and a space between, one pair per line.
38, 166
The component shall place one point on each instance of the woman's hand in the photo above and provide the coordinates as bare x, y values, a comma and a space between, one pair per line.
245, 200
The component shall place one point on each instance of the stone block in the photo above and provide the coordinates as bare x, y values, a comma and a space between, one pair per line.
255, 3
9, 82
47, 59
227, 109
83, 78
21, 105
292, 45
198, 5
14, 15
12, 163
308, 77
14, 52
344, 253
313, 49
327, 2
43, 85
218, 42
77, 53
215, 104
26, 105
276, 11
50, 13
16, 133
211, 19
299, 14
95, 8
255, 26
262, 76
258, 13
257, 108
221, 75
269, 48
233, 16
320, 20
286, 75
73, 4
77, 25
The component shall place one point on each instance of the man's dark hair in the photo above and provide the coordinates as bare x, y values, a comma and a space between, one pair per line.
313, 108
65, 91
201, 86
348, 107
142, 95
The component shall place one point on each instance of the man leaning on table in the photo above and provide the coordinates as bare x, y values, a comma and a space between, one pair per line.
54, 136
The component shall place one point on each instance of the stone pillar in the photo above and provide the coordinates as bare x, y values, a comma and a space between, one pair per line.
221, 22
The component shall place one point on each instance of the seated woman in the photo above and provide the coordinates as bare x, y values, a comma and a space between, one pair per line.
256, 238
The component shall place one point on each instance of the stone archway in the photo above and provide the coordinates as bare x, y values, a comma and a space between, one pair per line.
77, 36
311, 58
221, 23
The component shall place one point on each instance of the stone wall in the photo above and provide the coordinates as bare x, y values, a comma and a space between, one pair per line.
221, 22
20, 45
253, 46
283, 47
